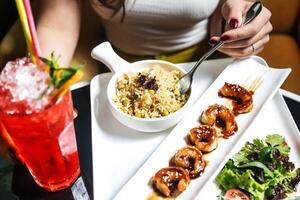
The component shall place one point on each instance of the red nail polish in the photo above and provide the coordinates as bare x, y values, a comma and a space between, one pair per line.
233, 23
212, 41
224, 38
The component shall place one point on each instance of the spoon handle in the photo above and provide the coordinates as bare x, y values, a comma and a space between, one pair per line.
253, 11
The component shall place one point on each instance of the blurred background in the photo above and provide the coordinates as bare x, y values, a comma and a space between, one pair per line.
283, 50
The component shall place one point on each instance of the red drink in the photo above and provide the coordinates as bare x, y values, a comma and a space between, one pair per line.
41, 132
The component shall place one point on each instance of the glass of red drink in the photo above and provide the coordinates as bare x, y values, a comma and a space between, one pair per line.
40, 131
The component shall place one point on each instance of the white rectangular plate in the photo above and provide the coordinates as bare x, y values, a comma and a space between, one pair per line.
240, 72
119, 151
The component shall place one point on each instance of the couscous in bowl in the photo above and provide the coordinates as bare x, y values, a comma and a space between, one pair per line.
105, 54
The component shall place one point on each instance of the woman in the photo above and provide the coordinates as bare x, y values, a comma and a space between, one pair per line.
163, 29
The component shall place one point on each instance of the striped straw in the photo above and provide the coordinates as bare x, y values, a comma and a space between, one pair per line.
25, 27
36, 46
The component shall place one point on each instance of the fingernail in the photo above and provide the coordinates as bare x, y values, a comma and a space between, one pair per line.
224, 38
212, 41
233, 23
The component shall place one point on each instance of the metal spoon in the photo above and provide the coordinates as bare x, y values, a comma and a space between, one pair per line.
185, 81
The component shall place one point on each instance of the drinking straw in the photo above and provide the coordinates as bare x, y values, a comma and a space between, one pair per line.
23, 19
36, 46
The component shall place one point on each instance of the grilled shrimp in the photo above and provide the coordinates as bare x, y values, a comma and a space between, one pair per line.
190, 159
170, 180
204, 138
220, 117
242, 98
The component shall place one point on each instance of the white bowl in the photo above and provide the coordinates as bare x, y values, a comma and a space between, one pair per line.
104, 53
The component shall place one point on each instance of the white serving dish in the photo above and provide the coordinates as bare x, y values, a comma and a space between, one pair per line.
239, 72
119, 151
104, 53
122, 141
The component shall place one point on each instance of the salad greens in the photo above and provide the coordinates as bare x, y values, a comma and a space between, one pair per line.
261, 168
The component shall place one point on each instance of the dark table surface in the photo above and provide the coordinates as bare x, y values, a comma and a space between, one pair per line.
16, 182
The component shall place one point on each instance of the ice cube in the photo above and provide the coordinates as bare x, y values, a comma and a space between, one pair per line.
26, 83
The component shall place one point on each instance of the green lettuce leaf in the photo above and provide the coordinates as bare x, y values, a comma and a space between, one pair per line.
279, 143
231, 178
258, 165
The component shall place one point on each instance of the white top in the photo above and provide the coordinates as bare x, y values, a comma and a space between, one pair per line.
153, 27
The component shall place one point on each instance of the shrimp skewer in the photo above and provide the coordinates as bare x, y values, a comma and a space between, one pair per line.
242, 98
190, 159
170, 180
221, 118
203, 138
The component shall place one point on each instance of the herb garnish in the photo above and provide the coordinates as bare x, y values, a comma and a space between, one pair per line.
59, 75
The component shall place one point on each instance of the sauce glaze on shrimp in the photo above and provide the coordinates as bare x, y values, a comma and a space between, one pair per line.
190, 159
203, 138
171, 181
220, 117
242, 98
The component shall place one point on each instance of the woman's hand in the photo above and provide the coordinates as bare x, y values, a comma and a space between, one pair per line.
240, 41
